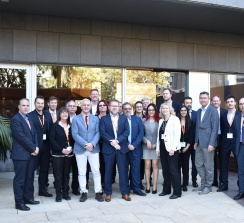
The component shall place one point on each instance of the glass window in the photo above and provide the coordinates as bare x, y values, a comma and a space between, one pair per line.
67, 82
12, 88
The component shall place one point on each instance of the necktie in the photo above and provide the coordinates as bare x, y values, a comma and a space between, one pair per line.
86, 121
54, 117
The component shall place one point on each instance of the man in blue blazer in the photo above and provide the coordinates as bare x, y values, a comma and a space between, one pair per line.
23, 151
229, 132
205, 142
240, 149
193, 116
43, 158
114, 130
135, 148
85, 131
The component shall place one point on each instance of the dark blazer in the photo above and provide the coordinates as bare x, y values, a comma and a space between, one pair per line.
24, 138
58, 139
238, 126
137, 133
176, 107
193, 124
48, 117
107, 133
33, 116
226, 128
187, 136
207, 129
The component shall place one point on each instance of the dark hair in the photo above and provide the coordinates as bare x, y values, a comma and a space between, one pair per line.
204, 92
170, 91
138, 102
23, 99
106, 103
126, 103
188, 120
230, 96
186, 98
52, 98
156, 116
61, 110
39, 97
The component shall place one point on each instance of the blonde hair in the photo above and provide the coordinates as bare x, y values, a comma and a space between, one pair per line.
171, 109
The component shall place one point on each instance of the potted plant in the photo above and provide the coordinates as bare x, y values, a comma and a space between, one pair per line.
5, 137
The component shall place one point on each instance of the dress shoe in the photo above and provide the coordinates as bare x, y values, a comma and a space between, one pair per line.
154, 191
108, 198
140, 193
99, 197
184, 188
77, 193
22, 207
66, 197
174, 196
215, 184
206, 190
164, 193
194, 184
222, 188
239, 196
141, 186
83, 197
58, 198
45, 194
147, 191
126, 197
32, 202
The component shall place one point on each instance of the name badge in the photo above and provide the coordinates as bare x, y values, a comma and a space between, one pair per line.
229, 135
69, 148
182, 144
44, 137
162, 136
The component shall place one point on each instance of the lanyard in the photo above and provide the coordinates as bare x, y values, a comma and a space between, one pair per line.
42, 121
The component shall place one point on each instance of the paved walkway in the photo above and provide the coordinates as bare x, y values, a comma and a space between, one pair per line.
190, 208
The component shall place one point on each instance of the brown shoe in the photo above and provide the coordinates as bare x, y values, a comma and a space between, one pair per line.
108, 198
126, 197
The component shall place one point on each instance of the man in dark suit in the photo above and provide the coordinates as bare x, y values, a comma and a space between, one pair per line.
167, 96
23, 151
205, 142
229, 133
240, 149
135, 148
216, 102
193, 116
114, 130
51, 113
43, 158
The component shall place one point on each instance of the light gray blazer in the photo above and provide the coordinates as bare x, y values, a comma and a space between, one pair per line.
149, 135
207, 129
82, 136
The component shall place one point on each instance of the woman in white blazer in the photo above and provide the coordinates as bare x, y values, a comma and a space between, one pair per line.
168, 146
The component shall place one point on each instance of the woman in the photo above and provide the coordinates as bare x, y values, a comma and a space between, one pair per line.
139, 110
62, 143
185, 141
168, 146
149, 146
102, 110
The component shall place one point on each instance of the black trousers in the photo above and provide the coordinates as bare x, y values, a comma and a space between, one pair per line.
170, 167
193, 166
184, 166
217, 159
61, 171
75, 182
102, 167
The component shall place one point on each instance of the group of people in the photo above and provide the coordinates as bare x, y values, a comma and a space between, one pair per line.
104, 135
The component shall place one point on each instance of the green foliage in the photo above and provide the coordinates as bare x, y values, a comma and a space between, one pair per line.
5, 137
14, 78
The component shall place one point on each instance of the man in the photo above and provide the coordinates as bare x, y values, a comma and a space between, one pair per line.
205, 142
51, 113
145, 103
216, 102
43, 158
94, 95
85, 131
135, 148
193, 116
114, 130
72, 108
229, 132
24, 149
240, 150
167, 96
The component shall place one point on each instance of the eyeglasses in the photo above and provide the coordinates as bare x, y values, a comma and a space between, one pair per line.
127, 108
102, 105
150, 110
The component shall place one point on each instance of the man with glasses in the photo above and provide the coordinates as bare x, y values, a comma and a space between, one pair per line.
114, 130
135, 148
